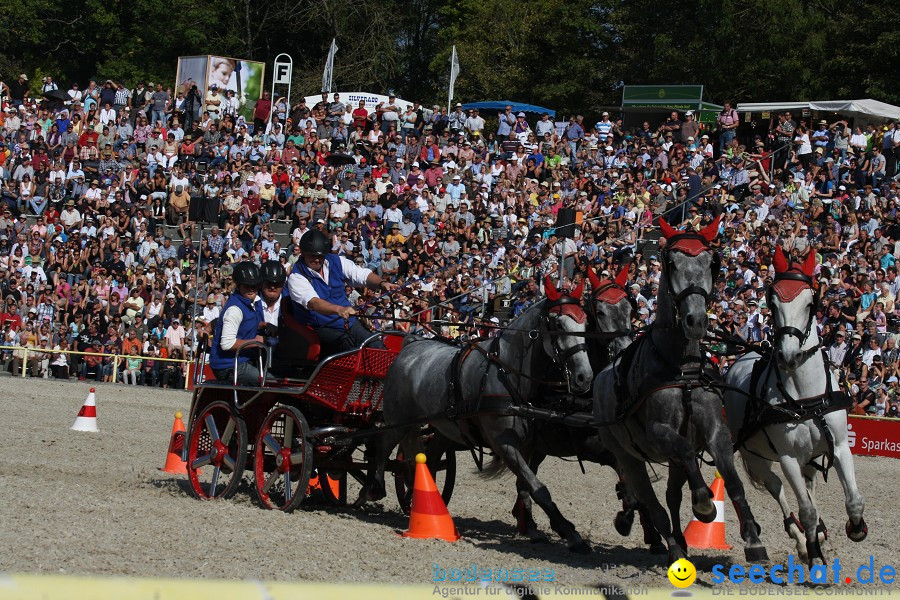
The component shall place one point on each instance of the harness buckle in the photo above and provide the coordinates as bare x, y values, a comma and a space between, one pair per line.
534, 334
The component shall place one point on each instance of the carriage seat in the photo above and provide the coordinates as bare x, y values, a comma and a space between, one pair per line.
298, 346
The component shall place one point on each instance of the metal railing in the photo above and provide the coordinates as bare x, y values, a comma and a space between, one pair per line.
116, 358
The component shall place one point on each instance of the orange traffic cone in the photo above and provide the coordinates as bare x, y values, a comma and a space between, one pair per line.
87, 416
315, 485
710, 535
428, 518
174, 464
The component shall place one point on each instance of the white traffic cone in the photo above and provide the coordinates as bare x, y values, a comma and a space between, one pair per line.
87, 416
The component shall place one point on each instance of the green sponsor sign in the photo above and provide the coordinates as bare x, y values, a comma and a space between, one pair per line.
676, 96
669, 105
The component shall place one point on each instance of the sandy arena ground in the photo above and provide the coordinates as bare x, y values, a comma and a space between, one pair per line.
83, 503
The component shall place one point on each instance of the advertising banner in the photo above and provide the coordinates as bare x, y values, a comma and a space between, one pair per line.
352, 99
244, 77
874, 437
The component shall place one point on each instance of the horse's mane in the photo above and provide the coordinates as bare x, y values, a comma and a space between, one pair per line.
664, 316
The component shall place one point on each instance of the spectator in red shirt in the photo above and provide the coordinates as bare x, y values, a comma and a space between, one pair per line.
261, 114
361, 115
11, 315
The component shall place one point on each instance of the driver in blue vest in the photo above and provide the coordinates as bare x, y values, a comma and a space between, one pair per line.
238, 326
316, 286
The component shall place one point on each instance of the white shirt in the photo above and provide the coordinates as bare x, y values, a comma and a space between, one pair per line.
107, 116
302, 290
271, 313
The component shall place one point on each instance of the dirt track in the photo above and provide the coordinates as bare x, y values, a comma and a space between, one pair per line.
96, 504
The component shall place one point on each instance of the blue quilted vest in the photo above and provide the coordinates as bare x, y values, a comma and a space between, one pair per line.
333, 292
252, 316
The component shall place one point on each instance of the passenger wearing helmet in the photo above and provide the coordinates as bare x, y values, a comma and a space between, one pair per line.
273, 277
238, 326
316, 286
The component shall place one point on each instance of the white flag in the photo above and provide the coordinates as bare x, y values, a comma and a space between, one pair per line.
454, 73
329, 67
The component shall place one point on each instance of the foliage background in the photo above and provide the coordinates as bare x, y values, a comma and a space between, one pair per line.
572, 55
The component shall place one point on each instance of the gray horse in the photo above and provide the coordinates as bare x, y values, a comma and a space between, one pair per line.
788, 408
655, 402
442, 383
611, 311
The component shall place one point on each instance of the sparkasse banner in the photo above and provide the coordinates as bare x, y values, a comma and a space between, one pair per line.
874, 437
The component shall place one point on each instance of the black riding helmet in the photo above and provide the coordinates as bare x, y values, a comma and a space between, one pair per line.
246, 273
272, 272
314, 242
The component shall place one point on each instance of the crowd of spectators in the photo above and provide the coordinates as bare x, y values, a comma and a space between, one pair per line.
106, 194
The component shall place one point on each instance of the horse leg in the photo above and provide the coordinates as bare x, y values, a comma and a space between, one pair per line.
808, 514
625, 519
809, 478
761, 470
506, 444
856, 527
722, 450
374, 489
674, 487
638, 485
672, 444
525, 524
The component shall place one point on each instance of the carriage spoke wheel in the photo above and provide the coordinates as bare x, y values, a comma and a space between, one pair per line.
282, 462
217, 452
443, 470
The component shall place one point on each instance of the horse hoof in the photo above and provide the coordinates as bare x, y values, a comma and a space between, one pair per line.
756, 554
857, 533
623, 522
536, 536
580, 547
657, 548
676, 553
705, 517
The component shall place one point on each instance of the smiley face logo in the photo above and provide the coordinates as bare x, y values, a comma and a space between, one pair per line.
682, 573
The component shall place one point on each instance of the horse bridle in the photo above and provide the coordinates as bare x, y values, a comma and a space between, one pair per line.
595, 295
787, 330
608, 285
692, 289
552, 350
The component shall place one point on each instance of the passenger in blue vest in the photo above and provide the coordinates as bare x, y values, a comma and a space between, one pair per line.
316, 286
238, 326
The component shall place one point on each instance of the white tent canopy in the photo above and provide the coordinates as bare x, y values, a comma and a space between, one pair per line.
855, 108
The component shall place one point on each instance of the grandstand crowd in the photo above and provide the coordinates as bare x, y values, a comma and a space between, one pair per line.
123, 210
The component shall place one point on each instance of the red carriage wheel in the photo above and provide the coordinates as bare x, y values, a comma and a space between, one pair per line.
442, 464
283, 459
217, 452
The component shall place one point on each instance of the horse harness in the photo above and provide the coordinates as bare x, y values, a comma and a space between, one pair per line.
464, 407
695, 372
687, 375
761, 414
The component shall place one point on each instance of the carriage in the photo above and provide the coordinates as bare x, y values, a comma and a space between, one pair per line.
303, 429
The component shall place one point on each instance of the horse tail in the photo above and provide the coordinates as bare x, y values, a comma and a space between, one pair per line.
495, 469
757, 481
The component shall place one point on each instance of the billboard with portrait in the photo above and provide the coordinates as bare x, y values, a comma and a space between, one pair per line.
244, 77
